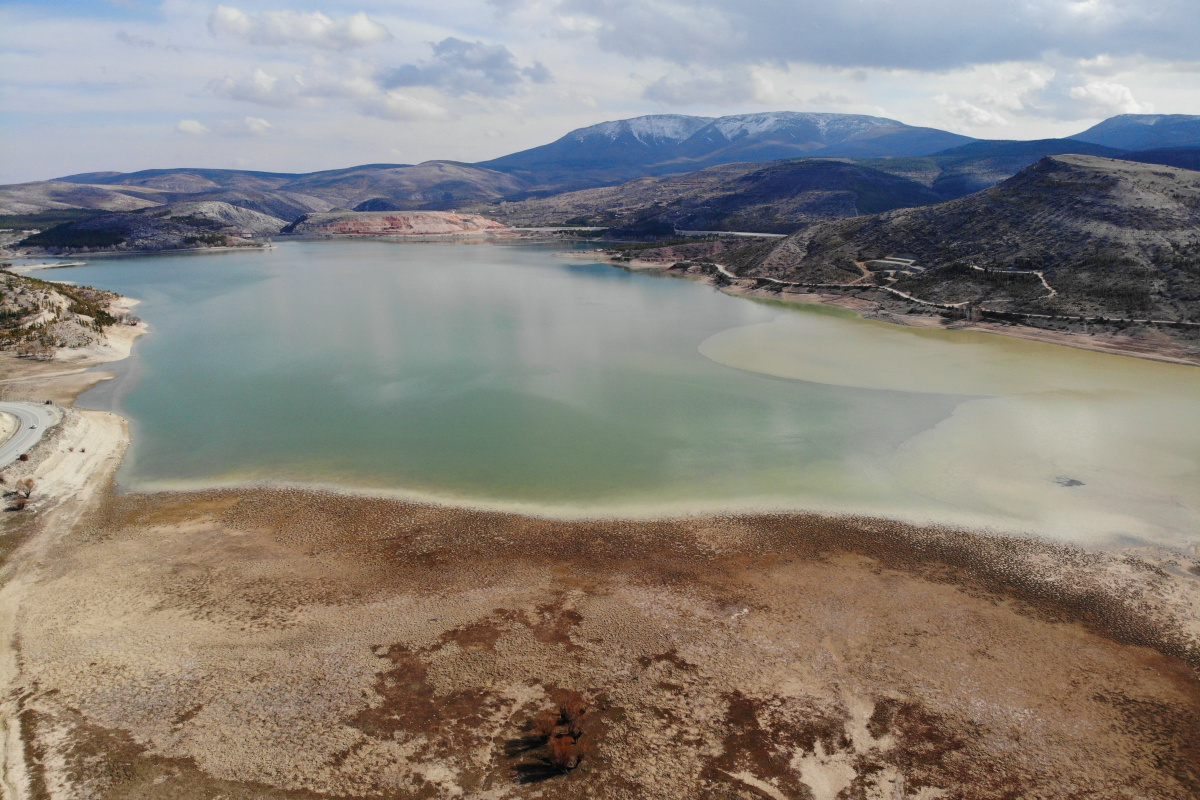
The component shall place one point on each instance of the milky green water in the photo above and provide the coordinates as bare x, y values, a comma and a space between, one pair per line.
506, 376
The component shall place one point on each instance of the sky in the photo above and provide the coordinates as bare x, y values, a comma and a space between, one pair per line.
123, 85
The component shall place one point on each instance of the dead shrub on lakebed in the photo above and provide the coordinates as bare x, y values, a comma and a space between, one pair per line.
561, 738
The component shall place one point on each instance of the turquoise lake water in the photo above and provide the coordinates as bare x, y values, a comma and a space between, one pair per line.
508, 376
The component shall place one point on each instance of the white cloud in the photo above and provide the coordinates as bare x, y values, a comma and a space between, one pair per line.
259, 87
719, 89
297, 28
191, 126
101, 75
1100, 65
398, 106
970, 114
305, 87
1108, 97
461, 67
928, 35
830, 100
133, 40
247, 126
577, 25
1014, 90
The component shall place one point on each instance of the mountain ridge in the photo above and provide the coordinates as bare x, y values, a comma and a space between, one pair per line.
777, 197
1144, 131
781, 196
608, 154
616, 151
1116, 238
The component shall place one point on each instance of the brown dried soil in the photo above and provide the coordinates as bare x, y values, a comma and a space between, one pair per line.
288, 644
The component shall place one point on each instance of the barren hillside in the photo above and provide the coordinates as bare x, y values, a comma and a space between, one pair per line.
1110, 237
392, 223
777, 198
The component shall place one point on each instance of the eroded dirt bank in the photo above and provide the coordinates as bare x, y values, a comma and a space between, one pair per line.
300, 644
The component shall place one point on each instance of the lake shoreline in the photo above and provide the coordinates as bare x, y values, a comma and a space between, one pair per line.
47, 380
306, 606
1163, 348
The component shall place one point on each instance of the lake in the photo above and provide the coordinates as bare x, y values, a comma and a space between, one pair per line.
506, 376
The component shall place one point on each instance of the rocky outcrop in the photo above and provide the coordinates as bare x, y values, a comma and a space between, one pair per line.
393, 223
183, 226
229, 218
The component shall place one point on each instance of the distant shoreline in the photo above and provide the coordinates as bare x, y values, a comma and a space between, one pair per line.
1105, 342
1167, 351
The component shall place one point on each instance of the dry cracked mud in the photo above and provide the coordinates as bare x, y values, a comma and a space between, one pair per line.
290, 644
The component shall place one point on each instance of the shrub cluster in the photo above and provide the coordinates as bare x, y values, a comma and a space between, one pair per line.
67, 236
564, 730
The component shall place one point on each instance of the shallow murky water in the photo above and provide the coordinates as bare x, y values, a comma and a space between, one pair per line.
503, 375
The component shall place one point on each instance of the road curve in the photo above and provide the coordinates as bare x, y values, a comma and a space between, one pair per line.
34, 420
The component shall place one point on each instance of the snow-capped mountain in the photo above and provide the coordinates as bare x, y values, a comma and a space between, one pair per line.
615, 151
1144, 131
653, 130
828, 127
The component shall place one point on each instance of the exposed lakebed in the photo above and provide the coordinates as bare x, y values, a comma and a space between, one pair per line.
502, 375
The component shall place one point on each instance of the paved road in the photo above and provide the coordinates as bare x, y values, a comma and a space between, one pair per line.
29, 415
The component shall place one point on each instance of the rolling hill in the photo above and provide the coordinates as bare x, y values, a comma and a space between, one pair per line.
1182, 157
433, 185
186, 181
741, 171
1114, 238
783, 196
961, 171
394, 223
776, 198
600, 155
41, 196
1145, 131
